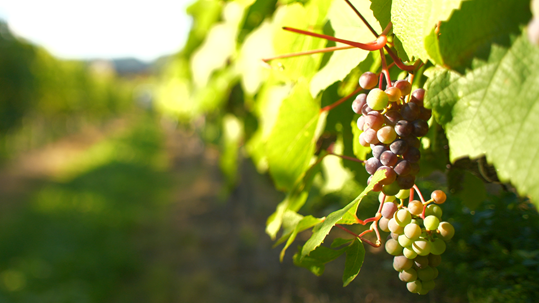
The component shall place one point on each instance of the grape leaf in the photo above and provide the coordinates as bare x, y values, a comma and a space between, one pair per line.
292, 141
469, 34
346, 26
317, 258
355, 254
413, 21
322, 230
305, 223
493, 110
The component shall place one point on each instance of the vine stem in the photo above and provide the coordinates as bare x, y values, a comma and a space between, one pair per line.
372, 46
310, 52
346, 157
385, 70
357, 236
338, 102
419, 194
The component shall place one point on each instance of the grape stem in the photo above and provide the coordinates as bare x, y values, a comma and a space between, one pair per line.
346, 157
338, 102
371, 46
358, 236
385, 70
310, 52
419, 193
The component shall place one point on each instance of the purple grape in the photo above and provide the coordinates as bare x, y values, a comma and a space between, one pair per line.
366, 109
412, 154
399, 147
403, 168
370, 136
390, 175
415, 168
371, 165
410, 111
406, 182
392, 116
358, 103
420, 127
419, 94
425, 114
377, 150
388, 209
374, 120
361, 123
388, 158
413, 141
404, 128
368, 80
404, 86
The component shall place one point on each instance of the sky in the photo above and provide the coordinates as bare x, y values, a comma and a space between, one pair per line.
82, 29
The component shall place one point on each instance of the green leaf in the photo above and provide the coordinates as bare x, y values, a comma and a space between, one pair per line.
492, 110
346, 25
305, 223
413, 21
471, 34
292, 141
318, 257
340, 242
323, 229
294, 200
355, 255
473, 191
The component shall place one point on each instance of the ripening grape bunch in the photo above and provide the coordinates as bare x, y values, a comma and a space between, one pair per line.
417, 238
392, 125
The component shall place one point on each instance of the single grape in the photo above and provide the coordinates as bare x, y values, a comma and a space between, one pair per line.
361, 123
389, 209
427, 273
371, 136
437, 247
408, 275
425, 114
414, 286
409, 253
404, 86
390, 177
409, 111
433, 210
393, 94
392, 188
438, 196
412, 154
401, 263
377, 150
368, 80
403, 194
377, 99
421, 247
412, 231
388, 158
374, 120
392, 116
435, 260
421, 262
431, 222
404, 241
402, 217
394, 227
446, 230
420, 127
403, 168
382, 223
404, 128
386, 134
362, 140
399, 147
371, 165
393, 247
419, 94
415, 207
406, 182
358, 103
413, 141
427, 285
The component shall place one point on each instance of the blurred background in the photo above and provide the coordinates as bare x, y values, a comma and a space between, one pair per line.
117, 183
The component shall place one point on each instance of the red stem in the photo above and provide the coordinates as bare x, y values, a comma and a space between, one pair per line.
335, 104
384, 68
310, 52
346, 157
362, 18
357, 236
419, 193
372, 46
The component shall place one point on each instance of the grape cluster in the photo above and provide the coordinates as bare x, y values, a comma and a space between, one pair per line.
417, 238
391, 127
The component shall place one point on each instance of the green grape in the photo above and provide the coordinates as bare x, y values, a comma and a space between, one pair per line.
377, 99
393, 247
415, 207
428, 285
435, 260
394, 236
431, 222
402, 217
408, 275
421, 261
412, 231
386, 134
427, 273
401, 263
404, 241
421, 247
433, 210
437, 247
382, 223
394, 227
414, 287
422, 291
409, 253
391, 189
403, 194
446, 230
